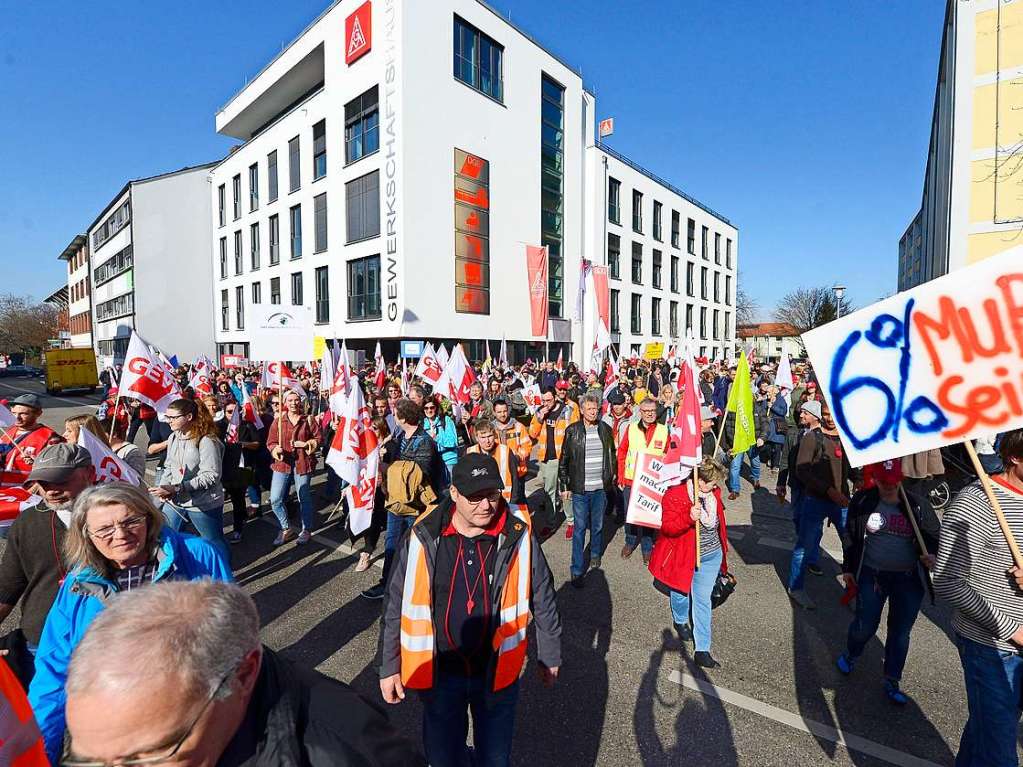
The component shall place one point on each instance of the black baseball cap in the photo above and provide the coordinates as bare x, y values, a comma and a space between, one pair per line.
476, 473
615, 397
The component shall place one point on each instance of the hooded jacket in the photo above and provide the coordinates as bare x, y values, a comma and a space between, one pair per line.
80, 599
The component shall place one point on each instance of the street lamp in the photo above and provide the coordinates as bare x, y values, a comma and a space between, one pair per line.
839, 291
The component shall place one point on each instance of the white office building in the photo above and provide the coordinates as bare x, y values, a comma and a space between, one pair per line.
79, 292
397, 159
150, 270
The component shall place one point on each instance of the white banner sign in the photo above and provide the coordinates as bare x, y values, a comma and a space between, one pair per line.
929, 367
279, 332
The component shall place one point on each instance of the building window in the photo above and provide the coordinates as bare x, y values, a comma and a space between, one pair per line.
362, 207
616, 324
637, 314
471, 183
275, 290
657, 259
614, 201
637, 263
253, 187
362, 125
239, 308
676, 223
296, 231
673, 318
275, 240
257, 292
320, 222
689, 317
658, 234
115, 266
728, 322
690, 287
322, 296
114, 223
364, 289
703, 283
674, 274
223, 258
704, 231
728, 289
236, 190
221, 205
717, 334
728, 253
224, 311
717, 287
691, 236
254, 246
296, 288
271, 176
655, 316
478, 60
116, 307
238, 267
717, 248
637, 211
294, 164
703, 323
614, 256
320, 149
552, 125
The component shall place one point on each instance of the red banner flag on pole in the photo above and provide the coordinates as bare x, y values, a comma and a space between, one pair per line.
145, 378
536, 266
354, 456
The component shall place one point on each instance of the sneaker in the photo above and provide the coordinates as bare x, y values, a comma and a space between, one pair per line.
595, 563
569, 531
845, 664
284, 536
374, 592
802, 599
814, 569
894, 694
303, 538
684, 631
577, 581
704, 660
234, 537
363, 565
646, 557
627, 551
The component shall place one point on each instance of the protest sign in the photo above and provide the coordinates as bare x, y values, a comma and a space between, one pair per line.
280, 333
649, 484
653, 351
929, 367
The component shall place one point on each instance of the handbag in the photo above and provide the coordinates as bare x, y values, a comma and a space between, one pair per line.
723, 588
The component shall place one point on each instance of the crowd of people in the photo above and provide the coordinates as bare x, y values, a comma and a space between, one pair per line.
143, 572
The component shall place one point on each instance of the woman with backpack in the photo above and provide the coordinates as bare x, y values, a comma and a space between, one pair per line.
441, 428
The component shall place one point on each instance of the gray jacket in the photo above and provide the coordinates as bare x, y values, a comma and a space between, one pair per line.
197, 469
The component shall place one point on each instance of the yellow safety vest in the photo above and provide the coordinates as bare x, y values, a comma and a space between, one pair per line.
418, 642
638, 445
502, 456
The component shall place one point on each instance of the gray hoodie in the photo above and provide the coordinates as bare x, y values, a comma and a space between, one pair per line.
197, 469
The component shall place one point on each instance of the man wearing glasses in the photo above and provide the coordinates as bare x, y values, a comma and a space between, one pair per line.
201, 690
464, 585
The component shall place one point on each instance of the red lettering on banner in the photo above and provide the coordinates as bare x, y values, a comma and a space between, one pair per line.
1012, 306
152, 379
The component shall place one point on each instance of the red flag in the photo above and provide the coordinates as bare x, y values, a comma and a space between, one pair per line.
232, 427
200, 382
277, 375
248, 410
536, 267
342, 385
429, 367
560, 364
354, 456
685, 445
458, 376
108, 467
381, 370
13, 501
145, 378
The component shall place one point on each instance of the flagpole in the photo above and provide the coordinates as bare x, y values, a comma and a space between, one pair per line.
14, 445
280, 406
113, 421
696, 498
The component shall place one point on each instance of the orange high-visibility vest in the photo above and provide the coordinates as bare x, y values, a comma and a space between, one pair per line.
418, 641
502, 455
21, 744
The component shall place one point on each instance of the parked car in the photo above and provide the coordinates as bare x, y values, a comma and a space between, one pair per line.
20, 371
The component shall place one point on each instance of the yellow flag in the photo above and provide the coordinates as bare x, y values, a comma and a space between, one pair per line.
740, 402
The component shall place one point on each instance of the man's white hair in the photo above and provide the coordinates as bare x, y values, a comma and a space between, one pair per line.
196, 632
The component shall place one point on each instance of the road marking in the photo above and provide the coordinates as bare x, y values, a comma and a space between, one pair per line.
76, 403
796, 722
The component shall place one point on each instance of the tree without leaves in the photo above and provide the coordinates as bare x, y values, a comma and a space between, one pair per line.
25, 326
808, 308
746, 307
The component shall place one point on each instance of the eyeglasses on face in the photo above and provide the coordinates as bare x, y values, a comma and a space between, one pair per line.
174, 417
494, 498
106, 532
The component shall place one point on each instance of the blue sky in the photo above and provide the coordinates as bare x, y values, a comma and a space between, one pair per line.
805, 123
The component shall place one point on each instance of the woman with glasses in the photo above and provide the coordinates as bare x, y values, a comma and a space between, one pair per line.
191, 489
117, 542
441, 428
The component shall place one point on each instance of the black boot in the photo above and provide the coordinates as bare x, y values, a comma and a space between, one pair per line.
703, 660
685, 632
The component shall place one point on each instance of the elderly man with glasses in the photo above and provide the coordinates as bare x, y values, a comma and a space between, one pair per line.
194, 686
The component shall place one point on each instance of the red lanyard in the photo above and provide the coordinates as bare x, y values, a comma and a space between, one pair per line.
470, 603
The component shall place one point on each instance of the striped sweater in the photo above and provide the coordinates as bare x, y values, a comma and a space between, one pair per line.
973, 557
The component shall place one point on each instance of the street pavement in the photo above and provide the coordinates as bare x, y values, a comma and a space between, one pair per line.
628, 693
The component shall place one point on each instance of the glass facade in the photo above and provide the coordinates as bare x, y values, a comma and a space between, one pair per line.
552, 145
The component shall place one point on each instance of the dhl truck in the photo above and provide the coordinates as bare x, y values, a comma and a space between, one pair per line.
70, 369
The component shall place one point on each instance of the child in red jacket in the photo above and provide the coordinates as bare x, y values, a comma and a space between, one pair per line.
675, 554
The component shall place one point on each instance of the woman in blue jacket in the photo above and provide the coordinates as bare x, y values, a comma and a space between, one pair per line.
441, 428
116, 542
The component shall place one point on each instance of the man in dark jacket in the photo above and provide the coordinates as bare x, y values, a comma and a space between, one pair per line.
193, 680
734, 463
464, 582
883, 561
589, 471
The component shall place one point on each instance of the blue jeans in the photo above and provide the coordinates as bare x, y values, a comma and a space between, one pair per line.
904, 593
703, 585
279, 486
446, 722
735, 468
209, 523
634, 534
812, 513
255, 494
588, 509
397, 524
994, 686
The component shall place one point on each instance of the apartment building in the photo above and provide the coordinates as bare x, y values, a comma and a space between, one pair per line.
79, 292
